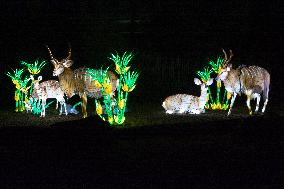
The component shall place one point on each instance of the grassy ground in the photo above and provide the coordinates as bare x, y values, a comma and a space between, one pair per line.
151, 150
144, 114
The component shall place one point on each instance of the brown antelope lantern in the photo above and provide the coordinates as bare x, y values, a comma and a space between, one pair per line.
253, 81
77, 81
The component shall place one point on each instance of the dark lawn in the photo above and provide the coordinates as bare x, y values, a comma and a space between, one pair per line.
152, 149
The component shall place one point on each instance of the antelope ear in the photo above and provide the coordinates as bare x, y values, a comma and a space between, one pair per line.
209, 82
197, 81
68, 63
39, 78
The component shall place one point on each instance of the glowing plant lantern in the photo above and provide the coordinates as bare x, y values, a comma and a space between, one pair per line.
115, 107
21, 87
205, 76
102, 81
36, 105
121, 63
224, 104
34, 69
215, 104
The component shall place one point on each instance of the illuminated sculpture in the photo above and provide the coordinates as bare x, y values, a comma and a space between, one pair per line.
21, 88
72, 109
34, 106
184, 103
77, 81
217, 103
34, 69
250, 80
126, 84
48, 89
205, 76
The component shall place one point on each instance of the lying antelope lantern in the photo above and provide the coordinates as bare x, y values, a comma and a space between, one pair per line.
181, 103
249, 80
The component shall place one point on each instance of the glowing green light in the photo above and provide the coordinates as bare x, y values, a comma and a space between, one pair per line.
216, 66
21, 88
121, 63
37, 105
114, 107
215, 104
205, 74
34, 68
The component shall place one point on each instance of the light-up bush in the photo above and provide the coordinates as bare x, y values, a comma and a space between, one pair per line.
24, 86
21, 85
115, 105
34, 69
215, 103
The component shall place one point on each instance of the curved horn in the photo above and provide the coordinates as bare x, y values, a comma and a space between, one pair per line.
226, 57
69, 53
51, 56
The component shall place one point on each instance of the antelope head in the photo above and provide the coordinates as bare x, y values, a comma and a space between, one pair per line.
36, 81
59, 66
226, 67
204, 85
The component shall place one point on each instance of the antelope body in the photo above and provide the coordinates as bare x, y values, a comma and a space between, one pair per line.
181, 103
48, 89
77, 82
253, 81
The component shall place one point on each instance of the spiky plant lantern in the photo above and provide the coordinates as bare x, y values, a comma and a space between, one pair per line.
205, 76
20, 85
34, 69
115, 107
217, 103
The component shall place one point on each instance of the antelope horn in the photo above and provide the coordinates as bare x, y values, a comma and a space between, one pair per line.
226, 57
69, 53
52, 58
231, 55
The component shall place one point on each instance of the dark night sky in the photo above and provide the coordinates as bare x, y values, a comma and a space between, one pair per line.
197, 29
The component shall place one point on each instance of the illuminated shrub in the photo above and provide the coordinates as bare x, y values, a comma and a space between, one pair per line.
114, 107
21, 85
215, 103
24, 87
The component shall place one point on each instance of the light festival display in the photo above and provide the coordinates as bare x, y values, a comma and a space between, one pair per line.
115, 107
215, 102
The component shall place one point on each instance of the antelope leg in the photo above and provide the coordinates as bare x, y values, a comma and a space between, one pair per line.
248, 104
43, 103
84, 105
264, 106
232, 103
66, 113
257, 102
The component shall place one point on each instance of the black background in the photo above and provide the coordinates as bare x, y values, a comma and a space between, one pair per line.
171, 40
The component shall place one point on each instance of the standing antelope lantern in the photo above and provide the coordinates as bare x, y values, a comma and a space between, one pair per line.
48, 89
77, 81
249, 80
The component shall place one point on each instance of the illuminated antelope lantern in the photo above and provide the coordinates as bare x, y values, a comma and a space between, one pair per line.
249, 80
48, 89
181, 103
77, 81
